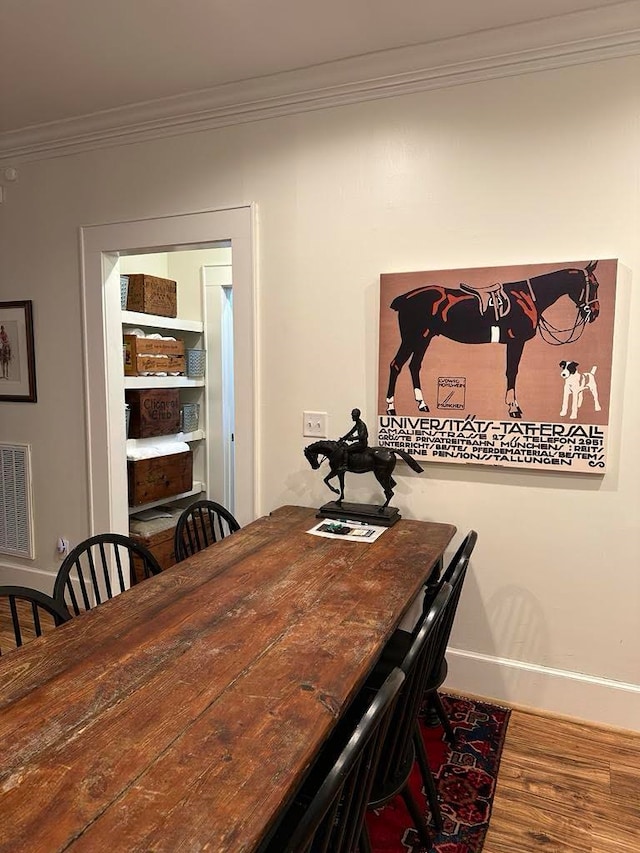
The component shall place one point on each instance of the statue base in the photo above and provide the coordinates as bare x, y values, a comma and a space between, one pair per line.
366, 513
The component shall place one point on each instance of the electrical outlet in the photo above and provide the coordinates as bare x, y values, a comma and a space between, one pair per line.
314, 424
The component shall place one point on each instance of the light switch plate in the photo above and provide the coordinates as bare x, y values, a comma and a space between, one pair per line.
314, 424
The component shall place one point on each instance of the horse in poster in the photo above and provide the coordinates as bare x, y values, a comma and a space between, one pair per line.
510, 314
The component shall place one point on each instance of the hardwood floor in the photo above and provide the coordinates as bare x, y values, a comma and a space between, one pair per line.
564, 786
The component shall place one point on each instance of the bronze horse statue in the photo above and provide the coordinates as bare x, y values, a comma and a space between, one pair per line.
380, 460
509, 314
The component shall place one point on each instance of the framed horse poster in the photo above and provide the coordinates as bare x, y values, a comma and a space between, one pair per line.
535, 395
17, 358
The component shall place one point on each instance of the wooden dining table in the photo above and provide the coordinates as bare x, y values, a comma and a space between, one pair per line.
183, 714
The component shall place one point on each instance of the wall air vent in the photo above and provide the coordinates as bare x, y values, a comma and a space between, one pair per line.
16, 523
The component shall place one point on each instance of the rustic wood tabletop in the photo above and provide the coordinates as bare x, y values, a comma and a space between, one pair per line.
182, 714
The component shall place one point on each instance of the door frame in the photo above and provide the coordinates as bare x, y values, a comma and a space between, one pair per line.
217, 309
100, 249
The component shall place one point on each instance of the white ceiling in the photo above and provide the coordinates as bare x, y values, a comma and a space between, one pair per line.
61, 59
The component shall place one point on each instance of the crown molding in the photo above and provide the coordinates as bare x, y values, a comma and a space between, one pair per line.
596, 35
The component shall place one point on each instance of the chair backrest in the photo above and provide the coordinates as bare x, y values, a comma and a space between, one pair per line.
397, 750
454, 575
329, 811
200, 525
95, 571
28, 613
460, 559
456, 570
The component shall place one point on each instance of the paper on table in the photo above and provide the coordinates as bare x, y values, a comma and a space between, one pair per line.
356, 531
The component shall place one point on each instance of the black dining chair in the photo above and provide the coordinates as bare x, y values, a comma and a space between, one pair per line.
27, 613
454, 575
95, 570
328, 813
398, 647
398, 753
202, 524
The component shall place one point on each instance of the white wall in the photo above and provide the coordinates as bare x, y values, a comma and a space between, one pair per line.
186, 268
537, 168
152, 264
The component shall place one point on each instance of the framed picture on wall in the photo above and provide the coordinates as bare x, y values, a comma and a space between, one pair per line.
535, 393
17, 357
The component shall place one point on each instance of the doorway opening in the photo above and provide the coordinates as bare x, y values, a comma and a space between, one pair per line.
185, 239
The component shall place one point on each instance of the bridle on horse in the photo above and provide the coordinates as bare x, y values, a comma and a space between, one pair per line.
550, 334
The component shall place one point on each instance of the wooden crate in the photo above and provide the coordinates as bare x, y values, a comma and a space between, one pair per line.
152, 295
142, 355
157, 537
159, 477
153, 411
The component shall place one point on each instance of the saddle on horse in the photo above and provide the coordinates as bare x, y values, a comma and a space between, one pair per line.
490, 296
366, 460
359, 459
352, 458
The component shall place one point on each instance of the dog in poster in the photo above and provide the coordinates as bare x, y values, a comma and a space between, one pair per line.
575, 385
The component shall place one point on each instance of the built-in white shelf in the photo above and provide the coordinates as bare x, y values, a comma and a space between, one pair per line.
162, 382
164, 325
196, 435
154, 321
196, 490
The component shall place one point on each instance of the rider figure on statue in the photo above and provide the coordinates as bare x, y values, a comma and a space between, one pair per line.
358, 435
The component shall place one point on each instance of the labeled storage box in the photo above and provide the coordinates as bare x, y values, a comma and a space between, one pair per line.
159, 477
190, 417
157, 536
153, 411
152, 295
152, 355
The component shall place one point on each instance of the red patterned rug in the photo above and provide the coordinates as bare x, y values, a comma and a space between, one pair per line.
465, 777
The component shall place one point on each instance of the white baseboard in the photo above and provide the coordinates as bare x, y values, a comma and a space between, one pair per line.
13, 575
556, 691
